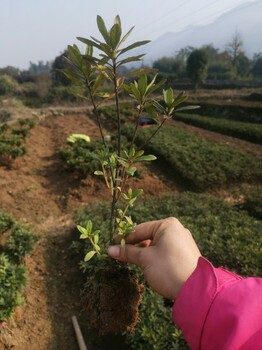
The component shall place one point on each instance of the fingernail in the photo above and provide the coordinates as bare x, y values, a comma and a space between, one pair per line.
113, 251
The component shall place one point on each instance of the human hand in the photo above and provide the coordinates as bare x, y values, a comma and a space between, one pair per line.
165, 250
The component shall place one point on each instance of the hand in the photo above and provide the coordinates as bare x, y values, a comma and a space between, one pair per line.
165, 250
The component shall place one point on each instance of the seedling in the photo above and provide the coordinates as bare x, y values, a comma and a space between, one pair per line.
90, 74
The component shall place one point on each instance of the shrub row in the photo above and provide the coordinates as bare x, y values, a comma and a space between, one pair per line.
16, 241
227, 236
253, 202
12, 140
247, 131
200, 164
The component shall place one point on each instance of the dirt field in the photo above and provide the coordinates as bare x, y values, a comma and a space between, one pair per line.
39, 191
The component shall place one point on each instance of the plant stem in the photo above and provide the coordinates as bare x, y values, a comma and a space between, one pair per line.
153, 134
115, 182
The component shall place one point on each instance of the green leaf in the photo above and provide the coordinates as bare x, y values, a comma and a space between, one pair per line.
132, 46
89, 255
142, 84
98, 172
126, 36
97, 248
168, 96
102, 28
115, 35
83, 231
89, 226
155, 86
96, 238
130, 59
117, 20
147, 158
131, 171
137, 192
187, 108
88, 42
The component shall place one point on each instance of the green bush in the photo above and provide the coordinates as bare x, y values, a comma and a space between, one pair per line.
247, 131
200, 164
227, 236
12, 279
253, 202
80, 156
20, 243
6, 222
11, 142
7, 85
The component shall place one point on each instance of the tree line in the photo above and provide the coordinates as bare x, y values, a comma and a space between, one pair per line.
44, 81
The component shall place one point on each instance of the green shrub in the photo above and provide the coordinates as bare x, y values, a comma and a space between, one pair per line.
80, 156
24, 125
7, 85
253, 202
247, 131
6, 222
20, 243
12, 279
155, 329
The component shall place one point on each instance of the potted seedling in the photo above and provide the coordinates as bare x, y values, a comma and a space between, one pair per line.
113, 291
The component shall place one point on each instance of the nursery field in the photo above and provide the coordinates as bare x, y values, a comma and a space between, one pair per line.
37, 189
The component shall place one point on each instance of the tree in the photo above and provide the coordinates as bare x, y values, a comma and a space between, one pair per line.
170, 65
257, 68
60, 63
235, 50
197, 64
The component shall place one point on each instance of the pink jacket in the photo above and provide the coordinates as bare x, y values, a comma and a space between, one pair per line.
219, 310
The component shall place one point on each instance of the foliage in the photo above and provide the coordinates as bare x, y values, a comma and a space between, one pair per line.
20, 243
7, 84
247, 131
253, 202
257, 68
155, 330
200, 163
81, 156
197, 66
12, 279
227, 236
89, 74
6, 222
11, 142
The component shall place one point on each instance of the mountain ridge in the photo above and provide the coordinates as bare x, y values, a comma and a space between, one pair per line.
245, 20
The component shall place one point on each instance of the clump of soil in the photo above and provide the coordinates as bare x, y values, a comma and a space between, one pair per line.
111, 298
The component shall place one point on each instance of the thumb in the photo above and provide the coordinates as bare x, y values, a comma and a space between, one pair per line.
129, 253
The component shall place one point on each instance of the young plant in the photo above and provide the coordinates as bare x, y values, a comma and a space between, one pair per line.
90, 74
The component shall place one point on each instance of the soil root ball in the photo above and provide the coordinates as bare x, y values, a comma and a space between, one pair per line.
111, 298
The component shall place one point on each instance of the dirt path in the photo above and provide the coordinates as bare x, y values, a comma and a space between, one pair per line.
38, 191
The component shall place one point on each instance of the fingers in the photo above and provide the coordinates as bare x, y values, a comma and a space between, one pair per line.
129, 253
143, 232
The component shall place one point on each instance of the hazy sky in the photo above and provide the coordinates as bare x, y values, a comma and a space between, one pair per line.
34, 30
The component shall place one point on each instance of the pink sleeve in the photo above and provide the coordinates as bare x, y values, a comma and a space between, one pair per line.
217, 309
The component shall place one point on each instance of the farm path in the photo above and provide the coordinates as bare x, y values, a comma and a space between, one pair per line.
38, 190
